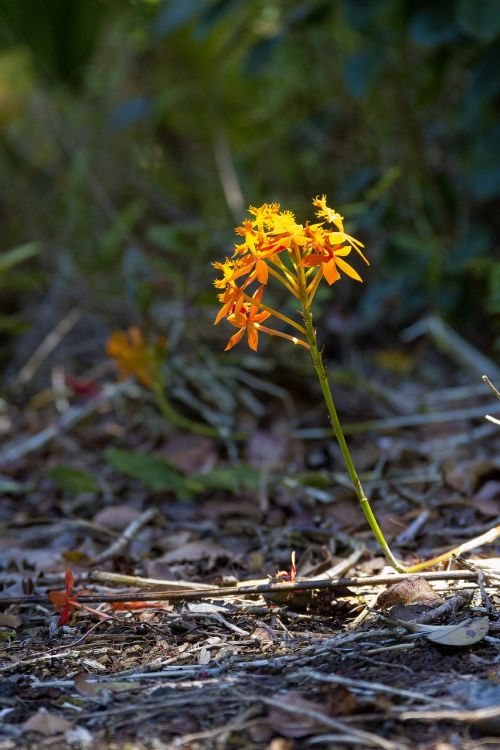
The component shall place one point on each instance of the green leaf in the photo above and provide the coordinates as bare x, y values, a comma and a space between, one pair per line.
152, 471
74, 481
231, 478
17, 255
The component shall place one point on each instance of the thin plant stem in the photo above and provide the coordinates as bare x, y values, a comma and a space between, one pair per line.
335, 422
274, 312
291, 278
283, 281
173, 416
312, 287
274, 332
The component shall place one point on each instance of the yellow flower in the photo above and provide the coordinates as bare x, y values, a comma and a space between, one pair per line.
328, 213
331, 261
135, 356
339, 237
263, 214
276, 245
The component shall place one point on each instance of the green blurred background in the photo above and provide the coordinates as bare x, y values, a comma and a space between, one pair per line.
134, 134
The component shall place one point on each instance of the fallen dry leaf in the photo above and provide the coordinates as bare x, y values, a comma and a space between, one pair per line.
10, 621
191, 454
116, 517
466, 476
294, 723
487, 500
347, 514
47, 724
463, 634
195, 551
85, 687
263, 636
266, 450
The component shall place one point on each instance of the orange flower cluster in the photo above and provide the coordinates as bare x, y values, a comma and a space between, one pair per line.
135, 356
299, 256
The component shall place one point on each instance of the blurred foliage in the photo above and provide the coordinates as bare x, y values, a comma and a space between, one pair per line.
135, 132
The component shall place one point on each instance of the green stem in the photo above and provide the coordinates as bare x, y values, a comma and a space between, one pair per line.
173, 416
337, 429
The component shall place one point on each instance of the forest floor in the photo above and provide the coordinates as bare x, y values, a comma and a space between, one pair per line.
334, 665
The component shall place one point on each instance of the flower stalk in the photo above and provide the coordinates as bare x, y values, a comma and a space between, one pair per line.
337, 429
304, 255
298, 256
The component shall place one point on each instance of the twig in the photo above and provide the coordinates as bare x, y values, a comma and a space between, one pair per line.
376, 687
361, 735
452, 343
487, 603
120, 544
68, 654
392, 423
145, 583
239, 591
409, 534
488, 537
47, 346
436, 445
68, 420
486, 380
482, 576
469, 717
450, 606
341, 568
455, 393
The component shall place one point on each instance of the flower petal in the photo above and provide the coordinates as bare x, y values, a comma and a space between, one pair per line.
262, 271
349, 270
314, 259
342, 251
234, 339
253, 337
330, 271
69, 580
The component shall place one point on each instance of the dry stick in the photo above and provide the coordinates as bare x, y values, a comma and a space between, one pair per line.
497, 394
71, 417
391, 423
452, 343
145, 583
468, 717
360, 735
47, 346
377, 687
450, 606
488, 537
358, 549
413, 529
486, 379
120, 544
239, 591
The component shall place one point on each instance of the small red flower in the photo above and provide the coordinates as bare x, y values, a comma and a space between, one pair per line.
64, 601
